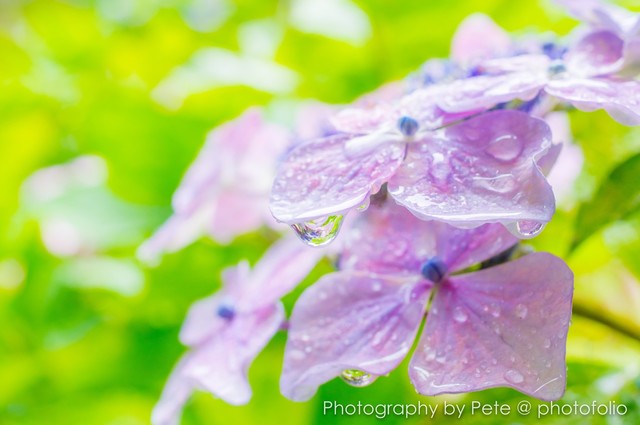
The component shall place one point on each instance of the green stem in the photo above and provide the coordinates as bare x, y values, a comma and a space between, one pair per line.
628, 329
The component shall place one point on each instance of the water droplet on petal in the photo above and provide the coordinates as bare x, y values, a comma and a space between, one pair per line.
505, 148
356, 378
459, 315
547, 343
320, 231
521, 311
513, 376
525, 229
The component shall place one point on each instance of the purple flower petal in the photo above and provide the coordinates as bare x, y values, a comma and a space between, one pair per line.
221, 364
280, 270
503, 326
319, 178
389, 239
621, 99
477, 37
485, 91
600, 14
597, 53
350, 321
177, 391
482, 170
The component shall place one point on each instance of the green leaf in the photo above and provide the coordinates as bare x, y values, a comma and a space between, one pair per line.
616, 199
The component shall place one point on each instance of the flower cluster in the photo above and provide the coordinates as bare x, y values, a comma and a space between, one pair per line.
447, 173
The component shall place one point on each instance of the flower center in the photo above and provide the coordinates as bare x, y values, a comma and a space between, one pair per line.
226, 311
434, 269
408, 126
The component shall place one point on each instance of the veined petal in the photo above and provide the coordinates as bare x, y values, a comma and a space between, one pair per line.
389, 239
350, 321
479, 171
503, 326
621, 99
319, 178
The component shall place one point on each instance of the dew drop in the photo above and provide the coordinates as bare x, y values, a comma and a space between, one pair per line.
505, 148
356, 378
525, 229
521, 311
513, 376
376, 287
459, 315
320, 231
547, 343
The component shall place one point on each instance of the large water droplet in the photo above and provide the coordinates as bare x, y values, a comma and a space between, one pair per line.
525, 229
505, 148
356, 378
513, 376
320, 231
459, 315
521, 311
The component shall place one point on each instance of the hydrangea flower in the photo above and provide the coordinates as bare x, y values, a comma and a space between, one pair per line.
225, 192
476, 171
226, 331
501, 326
586, 76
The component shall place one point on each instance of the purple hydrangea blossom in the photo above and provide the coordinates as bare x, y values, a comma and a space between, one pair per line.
479, 170
585, 76
226, 331
501, 326
225, 192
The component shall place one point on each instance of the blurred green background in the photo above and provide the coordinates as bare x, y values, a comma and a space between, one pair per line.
124, 91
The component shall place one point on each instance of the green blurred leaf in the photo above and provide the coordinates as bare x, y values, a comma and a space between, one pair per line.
617, 198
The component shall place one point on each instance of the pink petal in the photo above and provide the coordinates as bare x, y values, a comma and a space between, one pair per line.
600, 14
350, 321
220, 366
318, 179
502, 326
178, 231
236, 212
485, 91
281, 269
619, 98
389, 239
597, 53
176, 392
529, 63
477, 37
479, 171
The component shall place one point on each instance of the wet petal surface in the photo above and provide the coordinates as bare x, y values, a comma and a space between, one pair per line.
479, 171
621, 99
503, 326
389, 239
356, 324
319, 178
